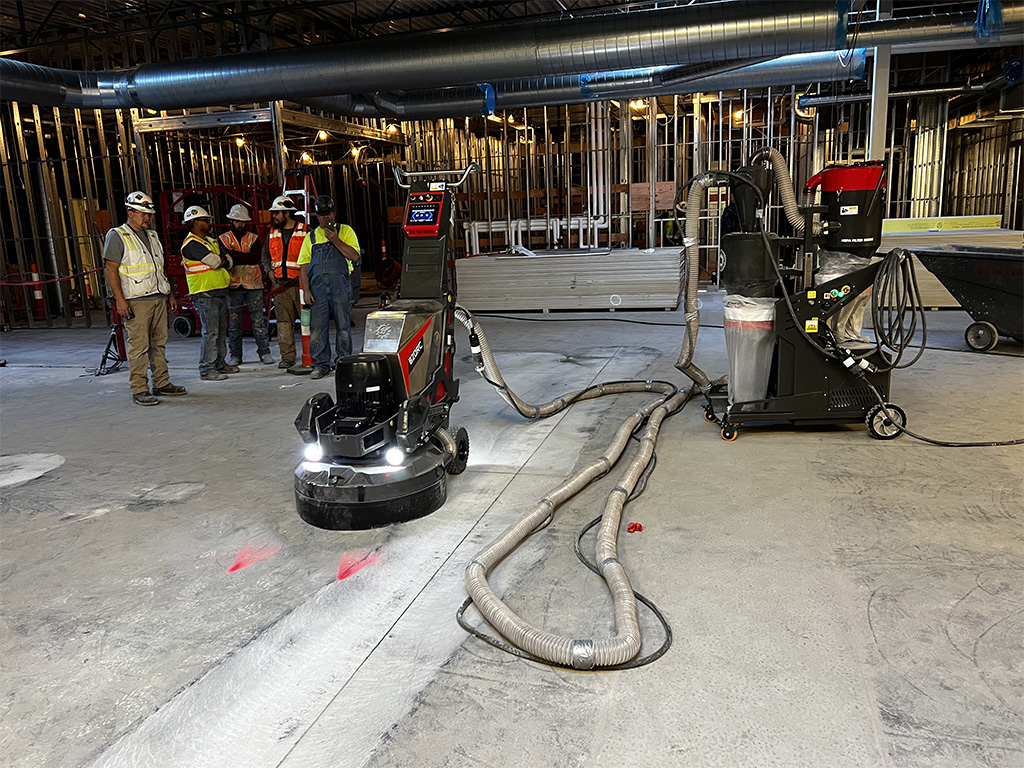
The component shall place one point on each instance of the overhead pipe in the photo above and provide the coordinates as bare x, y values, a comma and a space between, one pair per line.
602, 86
656, 38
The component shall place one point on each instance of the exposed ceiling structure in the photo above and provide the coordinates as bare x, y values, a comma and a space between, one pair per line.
355, 69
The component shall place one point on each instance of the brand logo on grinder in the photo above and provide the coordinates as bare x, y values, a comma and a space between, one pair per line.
415, 354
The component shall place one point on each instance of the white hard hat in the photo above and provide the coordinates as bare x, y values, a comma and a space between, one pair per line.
196, 212
140, 201
239, 212
283, 203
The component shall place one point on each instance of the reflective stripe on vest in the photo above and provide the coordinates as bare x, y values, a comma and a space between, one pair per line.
141, 269
276, 246
200, 276
242, 275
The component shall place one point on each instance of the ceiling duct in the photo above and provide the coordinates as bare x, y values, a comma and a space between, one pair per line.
664, 37
577, 89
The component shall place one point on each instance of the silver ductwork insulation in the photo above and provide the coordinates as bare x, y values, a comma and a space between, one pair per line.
691, 241
579, 653
465, 101
551, 47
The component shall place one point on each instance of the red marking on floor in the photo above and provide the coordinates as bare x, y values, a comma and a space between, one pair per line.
355, 561
252, 553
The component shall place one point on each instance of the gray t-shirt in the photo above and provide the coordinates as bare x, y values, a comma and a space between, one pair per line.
113, 250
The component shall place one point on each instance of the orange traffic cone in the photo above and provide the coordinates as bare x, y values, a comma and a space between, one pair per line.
37, 294
307, 360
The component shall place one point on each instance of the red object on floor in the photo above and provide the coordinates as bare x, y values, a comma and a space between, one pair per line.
355, 561
252, 553
634, 528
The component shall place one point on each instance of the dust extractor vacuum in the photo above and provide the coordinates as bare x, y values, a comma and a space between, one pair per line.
379, 451
798, 355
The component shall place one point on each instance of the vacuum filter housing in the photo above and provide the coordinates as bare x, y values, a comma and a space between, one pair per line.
855, 198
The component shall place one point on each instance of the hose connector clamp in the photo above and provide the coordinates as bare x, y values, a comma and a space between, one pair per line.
583, 654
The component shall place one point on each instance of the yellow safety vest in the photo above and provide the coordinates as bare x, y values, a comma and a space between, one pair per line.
141, 269
201, 277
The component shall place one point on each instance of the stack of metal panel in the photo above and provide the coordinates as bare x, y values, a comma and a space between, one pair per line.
572, 279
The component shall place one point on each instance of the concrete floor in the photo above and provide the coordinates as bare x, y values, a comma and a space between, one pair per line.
835, 600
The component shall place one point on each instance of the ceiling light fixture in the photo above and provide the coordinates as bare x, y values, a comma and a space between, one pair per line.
322, 135
240, 141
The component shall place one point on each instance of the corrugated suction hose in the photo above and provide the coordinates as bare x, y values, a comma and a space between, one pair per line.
579, 653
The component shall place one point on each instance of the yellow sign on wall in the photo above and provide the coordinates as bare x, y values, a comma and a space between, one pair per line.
941, 224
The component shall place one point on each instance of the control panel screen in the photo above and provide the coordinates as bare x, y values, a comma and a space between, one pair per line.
422, 214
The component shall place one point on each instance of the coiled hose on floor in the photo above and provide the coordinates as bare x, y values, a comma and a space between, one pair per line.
578, 653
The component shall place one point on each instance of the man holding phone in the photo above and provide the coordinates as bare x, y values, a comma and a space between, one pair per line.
134, 261
325, 266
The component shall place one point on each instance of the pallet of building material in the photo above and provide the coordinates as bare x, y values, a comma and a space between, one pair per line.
606, 279
933, 293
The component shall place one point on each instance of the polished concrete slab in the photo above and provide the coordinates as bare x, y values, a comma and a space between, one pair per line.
834, 599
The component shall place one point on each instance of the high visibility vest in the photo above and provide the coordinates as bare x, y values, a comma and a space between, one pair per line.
244, 275
141, 270
202, 277
277, 255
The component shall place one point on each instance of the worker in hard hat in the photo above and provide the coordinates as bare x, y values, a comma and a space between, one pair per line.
326, 263
206, 270
136, 274
246, 288
281, 263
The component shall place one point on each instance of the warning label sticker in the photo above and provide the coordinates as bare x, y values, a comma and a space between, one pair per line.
811, 326
849, 210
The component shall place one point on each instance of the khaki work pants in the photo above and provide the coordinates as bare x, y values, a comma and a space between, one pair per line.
286, 311
147, 337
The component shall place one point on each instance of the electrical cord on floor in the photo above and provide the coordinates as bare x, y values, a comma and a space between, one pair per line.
944, 443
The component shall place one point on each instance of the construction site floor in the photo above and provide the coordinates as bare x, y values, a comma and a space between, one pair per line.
834, 600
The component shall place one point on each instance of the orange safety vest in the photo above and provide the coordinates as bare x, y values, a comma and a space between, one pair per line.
277, 256
244, 275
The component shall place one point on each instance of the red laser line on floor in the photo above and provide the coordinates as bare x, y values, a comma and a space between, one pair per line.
355, 561
252, 554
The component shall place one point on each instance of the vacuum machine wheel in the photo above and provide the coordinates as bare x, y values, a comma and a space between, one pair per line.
461, 458
883, 427
729, 432
709, 414
183, 326
981, 337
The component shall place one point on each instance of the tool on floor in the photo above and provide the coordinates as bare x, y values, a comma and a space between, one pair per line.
797, 355
115, 353
380, 453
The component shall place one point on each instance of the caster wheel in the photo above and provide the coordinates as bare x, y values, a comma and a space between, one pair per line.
709, 415
461, 458
729, 433
883, 426
981, 337
183, 326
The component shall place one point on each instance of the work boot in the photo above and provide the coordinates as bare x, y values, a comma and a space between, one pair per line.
286, 364
318, 373
212, 376
171, 390
232, 360
229, 369
266, 358
144, 398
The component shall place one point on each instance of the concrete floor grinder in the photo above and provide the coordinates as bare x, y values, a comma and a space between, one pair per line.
380, 453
